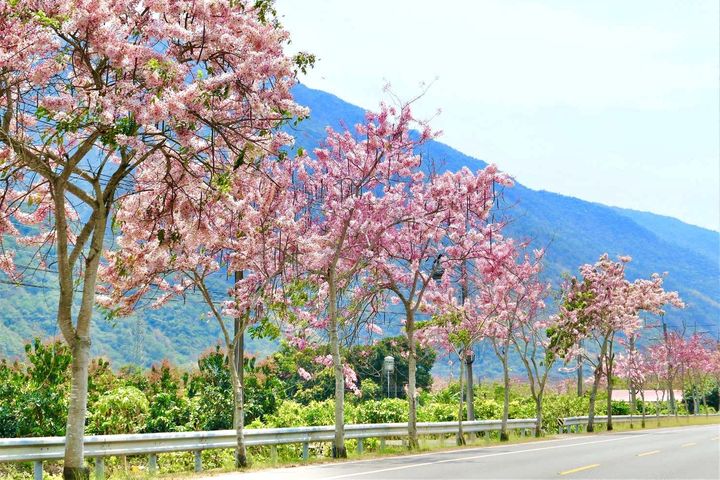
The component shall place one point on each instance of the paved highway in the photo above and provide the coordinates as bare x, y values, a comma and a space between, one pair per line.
691, 452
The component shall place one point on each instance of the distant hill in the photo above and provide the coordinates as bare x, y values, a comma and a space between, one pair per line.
574, 232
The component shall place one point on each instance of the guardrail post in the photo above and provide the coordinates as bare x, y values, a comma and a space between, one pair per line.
360, 446
198, 460
522, 432
382, 443
273, 454
99, 468
37, 470
306, 451
152, 464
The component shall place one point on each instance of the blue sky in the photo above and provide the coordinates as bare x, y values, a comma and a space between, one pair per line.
616, 102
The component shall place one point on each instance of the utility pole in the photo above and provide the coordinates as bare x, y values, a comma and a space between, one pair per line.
580, 373
631, 385
671, 393
468, 355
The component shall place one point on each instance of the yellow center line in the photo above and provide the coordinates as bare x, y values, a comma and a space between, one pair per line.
688, 444
653, 452
579, 469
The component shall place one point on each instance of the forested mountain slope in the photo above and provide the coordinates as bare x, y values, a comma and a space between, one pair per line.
574, 232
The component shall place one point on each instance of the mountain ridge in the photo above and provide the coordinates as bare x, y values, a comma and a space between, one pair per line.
573, 230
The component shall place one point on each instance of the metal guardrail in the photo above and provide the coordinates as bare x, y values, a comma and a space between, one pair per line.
99, 447
41, 449
576, 424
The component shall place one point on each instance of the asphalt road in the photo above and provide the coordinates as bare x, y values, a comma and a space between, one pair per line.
691, 452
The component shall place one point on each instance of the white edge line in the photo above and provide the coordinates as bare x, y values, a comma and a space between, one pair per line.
473, 457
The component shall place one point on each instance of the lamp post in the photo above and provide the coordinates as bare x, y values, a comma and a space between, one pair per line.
388, 368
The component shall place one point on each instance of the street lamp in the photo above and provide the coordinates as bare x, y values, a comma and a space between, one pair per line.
388, 368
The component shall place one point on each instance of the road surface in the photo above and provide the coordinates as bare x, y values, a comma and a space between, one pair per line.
691, 452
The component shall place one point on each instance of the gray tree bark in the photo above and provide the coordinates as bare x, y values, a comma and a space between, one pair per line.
413, 442
241, 459
504, 435
77, 337
338, 448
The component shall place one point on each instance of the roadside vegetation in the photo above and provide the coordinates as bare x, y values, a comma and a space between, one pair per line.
166, 398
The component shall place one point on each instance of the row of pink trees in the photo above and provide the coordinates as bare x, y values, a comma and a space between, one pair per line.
502, 302
692, 363
165, 116
337, 228
596, 309
374, 223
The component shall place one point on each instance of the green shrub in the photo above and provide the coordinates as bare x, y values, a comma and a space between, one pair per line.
389, 410
488, 409
438, 412
123, 410
321, 413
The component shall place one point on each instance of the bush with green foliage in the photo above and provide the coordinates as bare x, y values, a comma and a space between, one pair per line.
122, 410
388, 410
33, 395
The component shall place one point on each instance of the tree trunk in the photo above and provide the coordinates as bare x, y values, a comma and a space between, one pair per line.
413, 442
609, 398
642, 398
338, 448
74, 461
460, 438
593, 396
470, 397
671, 397
74, 468
238, 410
504, 436
596, 384
241, 460
538, 415
633, 402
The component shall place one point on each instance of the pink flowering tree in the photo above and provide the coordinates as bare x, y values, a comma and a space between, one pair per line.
510, 281
455, 327
633, 366
445, 224
663, 366
351, 193
713, 366
186, 236
696, 356
598, 308
89, 92
529, 336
